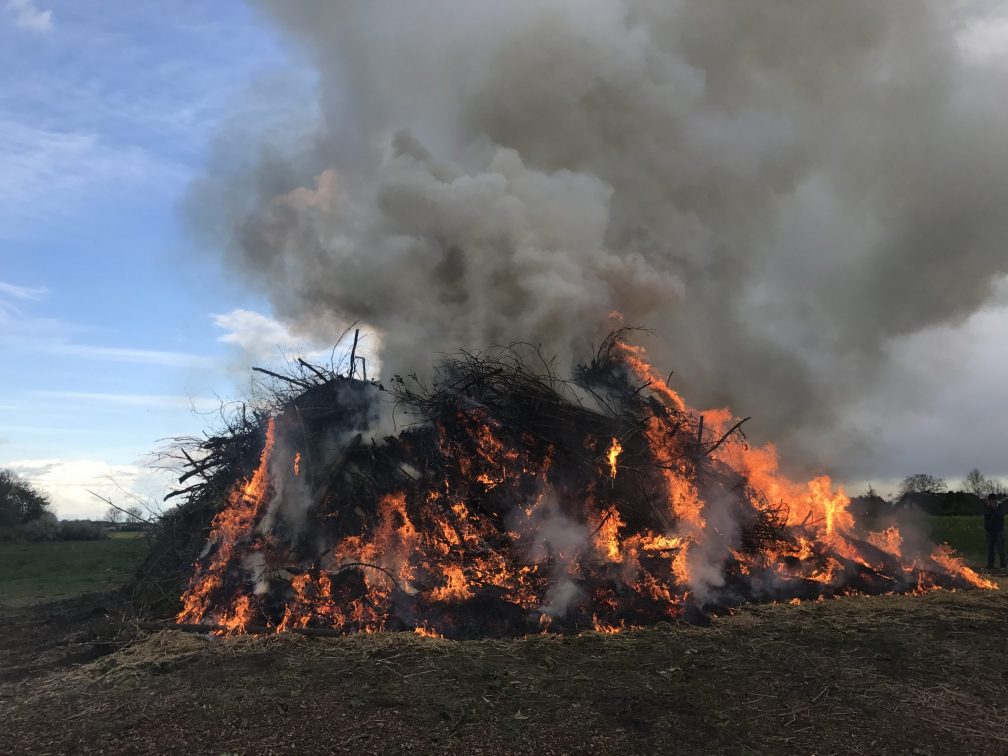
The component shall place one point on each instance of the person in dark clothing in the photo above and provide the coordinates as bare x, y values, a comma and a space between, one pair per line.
994, 517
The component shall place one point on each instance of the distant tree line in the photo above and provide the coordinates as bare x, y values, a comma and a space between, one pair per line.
26, 515
931, 494
130, 518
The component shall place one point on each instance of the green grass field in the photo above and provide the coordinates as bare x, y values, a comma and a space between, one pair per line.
963, 533
62, 568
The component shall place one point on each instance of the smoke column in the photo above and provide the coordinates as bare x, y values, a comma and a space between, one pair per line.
779, 189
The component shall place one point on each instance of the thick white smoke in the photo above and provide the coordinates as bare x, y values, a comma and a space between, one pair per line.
779, 188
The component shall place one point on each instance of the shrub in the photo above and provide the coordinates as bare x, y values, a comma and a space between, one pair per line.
81, 530
43, 528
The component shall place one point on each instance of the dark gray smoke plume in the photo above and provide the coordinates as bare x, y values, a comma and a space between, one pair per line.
779, 189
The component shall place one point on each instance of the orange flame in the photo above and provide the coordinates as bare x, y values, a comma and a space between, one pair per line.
614, 451
231, 525
954, 564
815, 505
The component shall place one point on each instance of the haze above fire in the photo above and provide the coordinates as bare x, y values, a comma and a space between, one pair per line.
783, 191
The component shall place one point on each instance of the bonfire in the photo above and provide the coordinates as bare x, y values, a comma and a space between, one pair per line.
500, 499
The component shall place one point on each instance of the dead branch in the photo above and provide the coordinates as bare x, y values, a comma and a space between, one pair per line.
286, 378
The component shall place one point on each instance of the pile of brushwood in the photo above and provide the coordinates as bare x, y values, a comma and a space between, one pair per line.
494, 431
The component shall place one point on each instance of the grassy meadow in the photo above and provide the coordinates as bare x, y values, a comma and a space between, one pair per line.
52, 569
964, 533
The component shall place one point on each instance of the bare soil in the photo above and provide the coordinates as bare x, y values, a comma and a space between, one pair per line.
888, 674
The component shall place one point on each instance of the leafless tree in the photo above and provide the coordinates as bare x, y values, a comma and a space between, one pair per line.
976, 483
923, 483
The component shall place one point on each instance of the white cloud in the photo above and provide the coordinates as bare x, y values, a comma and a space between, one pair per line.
52, 336
23, 292
36, 429
263, 339
159, 401
138, 356
46, 172
10, 292
30, 16
68, 482
258, 335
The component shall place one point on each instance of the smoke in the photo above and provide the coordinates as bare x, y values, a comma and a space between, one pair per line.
367, 415
781, 190
556, 541
710, 547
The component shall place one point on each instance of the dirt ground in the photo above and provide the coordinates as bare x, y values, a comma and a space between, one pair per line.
915, 674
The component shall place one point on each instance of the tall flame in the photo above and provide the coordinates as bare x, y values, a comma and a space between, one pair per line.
231, 525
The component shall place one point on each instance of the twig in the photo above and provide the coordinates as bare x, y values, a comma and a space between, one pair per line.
726, 435
286, 378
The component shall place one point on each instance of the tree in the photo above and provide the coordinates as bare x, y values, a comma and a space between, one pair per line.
980, 486
134, 517
114, 515
976, 483
20, 501
923, 483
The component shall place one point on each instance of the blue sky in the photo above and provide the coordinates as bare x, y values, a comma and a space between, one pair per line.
114, 325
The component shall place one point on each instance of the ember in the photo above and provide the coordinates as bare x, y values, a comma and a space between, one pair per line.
515, 502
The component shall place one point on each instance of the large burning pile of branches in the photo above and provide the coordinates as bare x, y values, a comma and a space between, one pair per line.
501, 499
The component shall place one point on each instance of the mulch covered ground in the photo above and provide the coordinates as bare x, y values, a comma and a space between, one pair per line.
888, 674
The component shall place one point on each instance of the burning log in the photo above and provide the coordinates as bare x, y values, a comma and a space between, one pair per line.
511, 501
